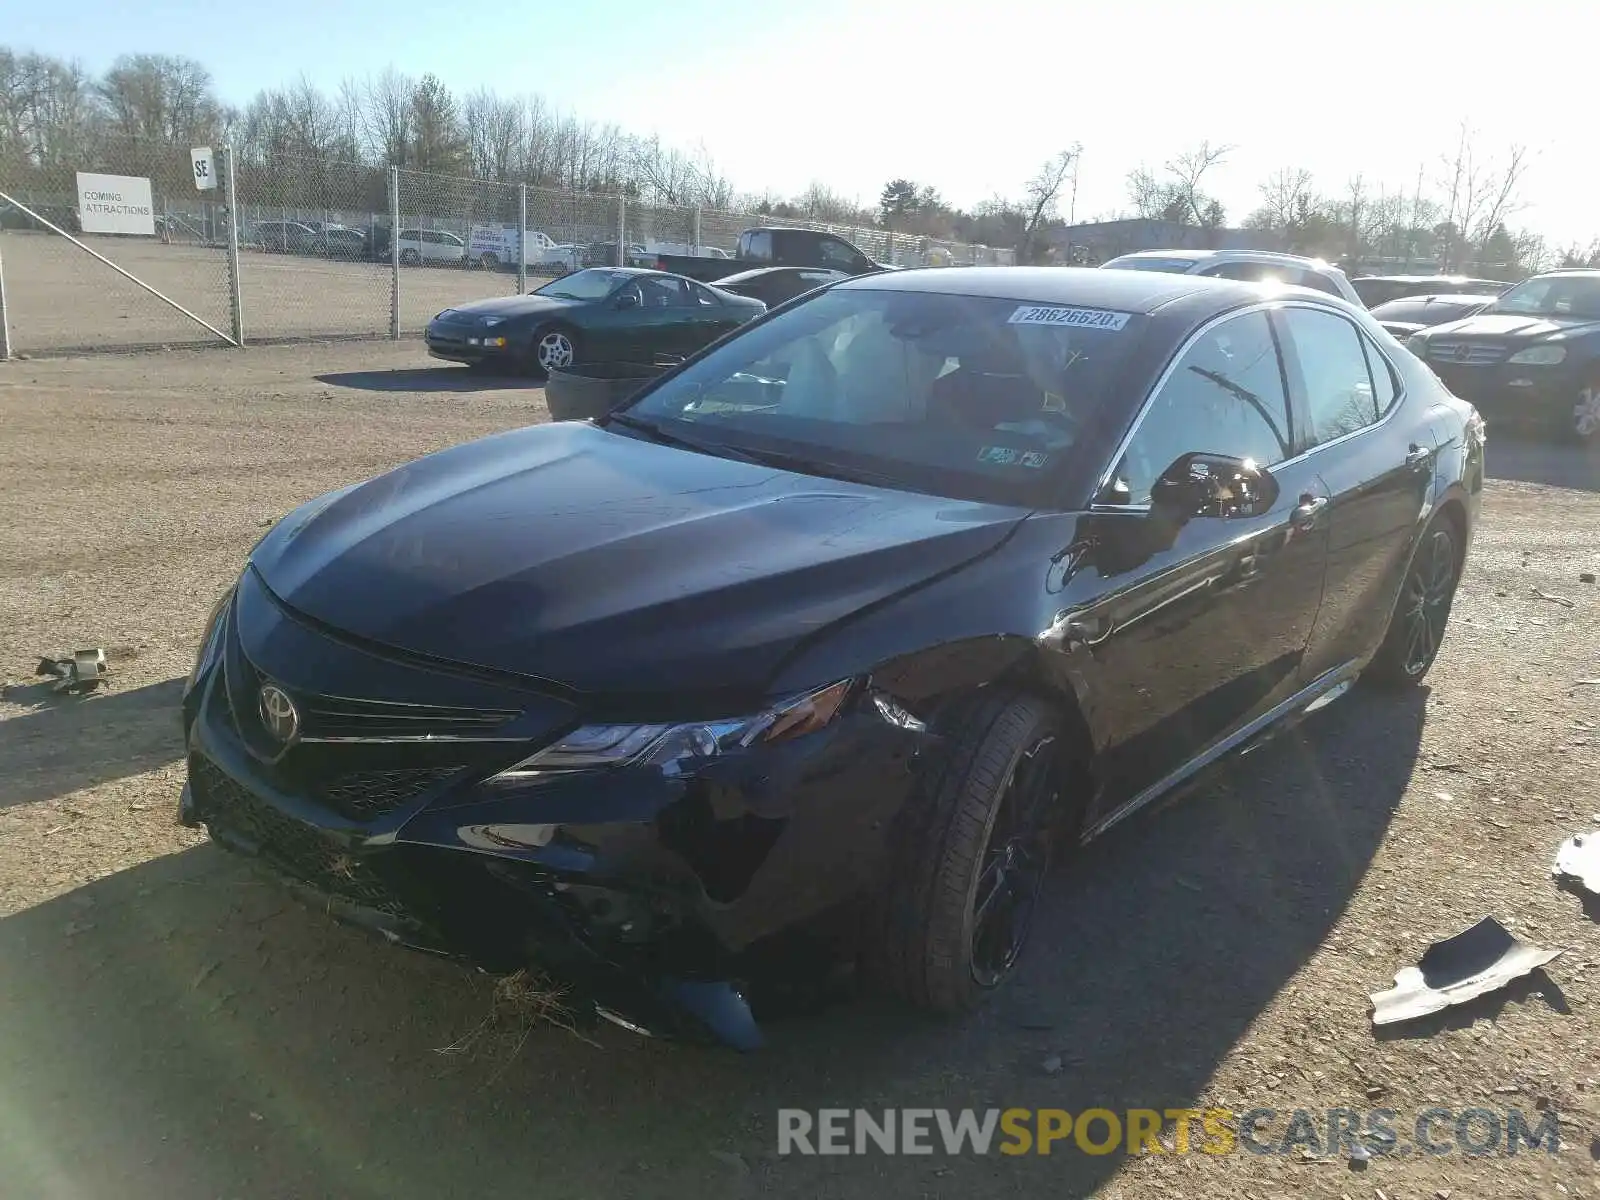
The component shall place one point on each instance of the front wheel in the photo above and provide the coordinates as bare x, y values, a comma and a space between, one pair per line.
1586, 415
1417, 625
554, 348
410, 258
970, 856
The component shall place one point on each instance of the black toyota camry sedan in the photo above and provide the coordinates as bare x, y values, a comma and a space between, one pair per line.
834, 635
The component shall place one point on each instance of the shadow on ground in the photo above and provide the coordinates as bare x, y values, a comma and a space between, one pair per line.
428, 379
182, 1030
1552, 463
64, 743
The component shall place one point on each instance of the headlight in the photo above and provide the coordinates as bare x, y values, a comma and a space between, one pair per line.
1417, 343
208, 640
676, 747
1540, 356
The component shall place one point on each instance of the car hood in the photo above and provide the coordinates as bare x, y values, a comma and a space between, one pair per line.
610, 564
515, 306
1403, 329
1515, 326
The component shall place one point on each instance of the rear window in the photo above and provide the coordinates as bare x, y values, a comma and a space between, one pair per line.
973, 397
1178, 266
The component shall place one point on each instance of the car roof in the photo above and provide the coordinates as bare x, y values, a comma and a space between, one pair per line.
1428, 279
1569, 273
1123, 291
1267, 256
1438, 298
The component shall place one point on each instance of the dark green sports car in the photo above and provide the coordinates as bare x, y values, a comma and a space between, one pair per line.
603, 314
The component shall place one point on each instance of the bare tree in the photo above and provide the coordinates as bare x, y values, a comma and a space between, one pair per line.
1188, 171
1482, 193
1041, 196
159, 98
1285, 196
387, 118
497, 135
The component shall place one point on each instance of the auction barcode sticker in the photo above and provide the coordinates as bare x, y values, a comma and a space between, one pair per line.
1072, 318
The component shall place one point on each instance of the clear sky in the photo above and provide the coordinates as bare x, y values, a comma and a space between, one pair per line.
969, 97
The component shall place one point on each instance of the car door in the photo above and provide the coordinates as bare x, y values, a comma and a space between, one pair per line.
710, 317
1190, 632
1375, 456
664, 323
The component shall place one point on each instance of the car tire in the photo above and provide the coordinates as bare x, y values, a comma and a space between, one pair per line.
1422, 610
1584, 428
940, 942
544, 352
409, 258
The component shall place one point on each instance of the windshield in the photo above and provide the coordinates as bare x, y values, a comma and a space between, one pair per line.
972, 397
1179, 266
1553, 296
1429, 310
593, 284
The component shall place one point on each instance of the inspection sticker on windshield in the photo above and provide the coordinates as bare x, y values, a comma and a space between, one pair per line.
1070, 318
1006, 456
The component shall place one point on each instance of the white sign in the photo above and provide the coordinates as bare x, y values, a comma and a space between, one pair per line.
205, 170
1069, 318
115, 204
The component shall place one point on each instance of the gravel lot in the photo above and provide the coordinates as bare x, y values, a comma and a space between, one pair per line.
60, 299
172, 1028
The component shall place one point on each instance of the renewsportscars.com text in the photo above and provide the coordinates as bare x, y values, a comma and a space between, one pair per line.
1215, 1131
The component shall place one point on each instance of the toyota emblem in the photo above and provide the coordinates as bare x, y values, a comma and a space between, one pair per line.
279, 716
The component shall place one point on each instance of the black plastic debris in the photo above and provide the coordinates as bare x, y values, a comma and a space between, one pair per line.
82, 671
1579, 858
1473, 963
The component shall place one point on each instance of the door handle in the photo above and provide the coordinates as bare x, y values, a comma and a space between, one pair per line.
1308, 512
1418, 458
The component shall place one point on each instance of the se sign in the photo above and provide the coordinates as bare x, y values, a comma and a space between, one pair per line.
115, 204
205, 171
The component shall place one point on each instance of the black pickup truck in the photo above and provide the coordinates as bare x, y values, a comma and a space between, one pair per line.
774, 247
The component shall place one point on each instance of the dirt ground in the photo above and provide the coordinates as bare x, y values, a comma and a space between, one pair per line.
171, 1027
58, 298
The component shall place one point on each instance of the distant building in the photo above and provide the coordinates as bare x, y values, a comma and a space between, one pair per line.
1093, 242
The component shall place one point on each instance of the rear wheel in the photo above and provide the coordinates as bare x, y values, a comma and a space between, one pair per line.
1417, 625
410, 257
970, 856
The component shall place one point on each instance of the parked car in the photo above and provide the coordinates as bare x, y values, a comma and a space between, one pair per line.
339, 241
775, 247
1253, 265
775, 285
832, 632
432, 247
1380, 289
602, 314
285, 237
492, 247
860, 612
1406, 316
1530, 358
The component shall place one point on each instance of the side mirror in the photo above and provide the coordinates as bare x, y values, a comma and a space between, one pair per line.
628, 300
1213, 485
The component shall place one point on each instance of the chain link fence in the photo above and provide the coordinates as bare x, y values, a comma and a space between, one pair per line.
329, 249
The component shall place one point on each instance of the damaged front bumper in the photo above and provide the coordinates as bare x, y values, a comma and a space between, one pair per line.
657, 898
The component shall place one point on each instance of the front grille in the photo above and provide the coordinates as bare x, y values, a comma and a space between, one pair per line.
293, 846
339, 717
1471, 354
364, 795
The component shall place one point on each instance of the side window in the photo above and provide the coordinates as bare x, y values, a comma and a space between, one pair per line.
1313, 279
1224, 396
836, 254
758, 246
1333, 364
703, 296
663, 291
1251, 272
1385, 388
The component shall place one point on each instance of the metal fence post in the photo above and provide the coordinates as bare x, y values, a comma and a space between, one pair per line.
522, 239
622, 231
695, 237
394, 254
5, 326
235, 286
